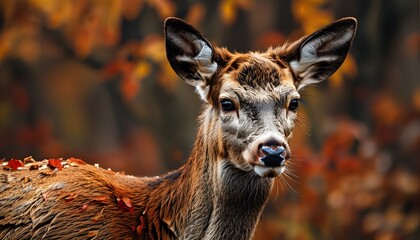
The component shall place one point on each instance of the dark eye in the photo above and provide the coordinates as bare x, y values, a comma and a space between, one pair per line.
227, 105
294, 104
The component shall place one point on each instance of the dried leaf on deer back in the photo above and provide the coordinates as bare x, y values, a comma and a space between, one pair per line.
101, 199
125, 204
13, 164
55, 163
71, 197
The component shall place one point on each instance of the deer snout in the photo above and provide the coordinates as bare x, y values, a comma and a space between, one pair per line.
272, 153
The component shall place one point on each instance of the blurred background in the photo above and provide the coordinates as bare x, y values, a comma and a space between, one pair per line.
89, 79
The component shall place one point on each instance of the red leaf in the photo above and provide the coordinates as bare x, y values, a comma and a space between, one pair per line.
125, 204
14, 164
141, 226
55, 163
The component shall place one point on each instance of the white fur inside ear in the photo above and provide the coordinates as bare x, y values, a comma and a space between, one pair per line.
203, 91
204, 59
206, 67
304, 68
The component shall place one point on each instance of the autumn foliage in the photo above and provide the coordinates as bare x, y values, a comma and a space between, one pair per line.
91, 80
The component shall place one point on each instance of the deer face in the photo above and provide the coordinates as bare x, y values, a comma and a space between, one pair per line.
257, 107
252, 98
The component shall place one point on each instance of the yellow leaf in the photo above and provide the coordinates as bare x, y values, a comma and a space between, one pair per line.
154, 48
61, 14
167, 77
83, 42
28, 49
47, 6
196, 14
245, 4
228, 11
142, 70
416, 99
165, 8
348, 68
300, 10
5, 44
317, 20
311, 15
131, 8
336, 80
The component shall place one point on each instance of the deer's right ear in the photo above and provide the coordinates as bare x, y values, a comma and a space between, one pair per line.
189, 53
322, 53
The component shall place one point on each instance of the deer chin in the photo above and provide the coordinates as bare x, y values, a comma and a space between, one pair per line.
271, 172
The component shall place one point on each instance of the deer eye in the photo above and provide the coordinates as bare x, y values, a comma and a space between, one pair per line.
294, 104
227, 105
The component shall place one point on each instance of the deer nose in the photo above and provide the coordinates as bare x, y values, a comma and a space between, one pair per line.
272, 153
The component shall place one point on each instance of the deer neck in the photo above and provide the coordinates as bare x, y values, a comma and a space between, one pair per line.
209, 197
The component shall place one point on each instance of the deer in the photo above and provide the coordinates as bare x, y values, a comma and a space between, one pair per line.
250, 102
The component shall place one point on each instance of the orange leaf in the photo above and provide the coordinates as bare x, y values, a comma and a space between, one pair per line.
44, 196
93, 234
131, 8
76, 160
165, 8
101, 199
83, 208
119, 66
14, 164
140, 227
70, 197
55, 163
129, 87
195, 14
99, 216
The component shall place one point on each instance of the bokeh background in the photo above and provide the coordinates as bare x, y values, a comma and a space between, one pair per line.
89, 79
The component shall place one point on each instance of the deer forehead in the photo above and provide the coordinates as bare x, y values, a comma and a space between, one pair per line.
255, 76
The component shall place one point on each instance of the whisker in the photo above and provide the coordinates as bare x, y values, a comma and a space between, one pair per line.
283, 187
303, 127
286, 174
277, 190
285, 180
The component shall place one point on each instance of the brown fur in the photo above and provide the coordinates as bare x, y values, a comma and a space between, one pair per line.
221, 190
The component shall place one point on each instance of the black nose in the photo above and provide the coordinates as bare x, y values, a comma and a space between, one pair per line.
273, 156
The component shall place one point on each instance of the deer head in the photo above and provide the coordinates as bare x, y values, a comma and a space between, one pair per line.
251, 99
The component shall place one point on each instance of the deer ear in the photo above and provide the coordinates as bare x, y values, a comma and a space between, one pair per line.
322, 53
189, 53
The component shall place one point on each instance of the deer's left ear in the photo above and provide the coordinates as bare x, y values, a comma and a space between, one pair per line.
188, 52
322, 53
